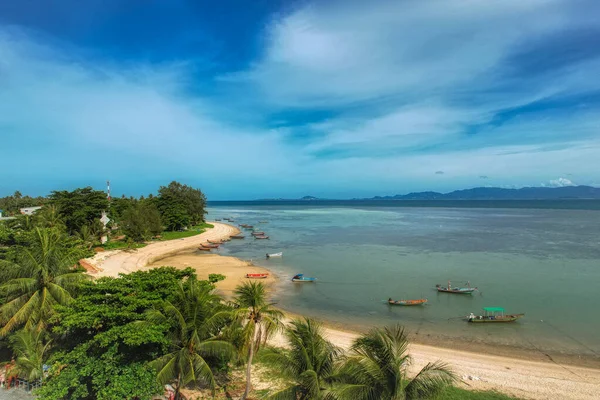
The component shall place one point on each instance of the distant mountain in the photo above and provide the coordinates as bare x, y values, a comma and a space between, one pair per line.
494, 193
309, 198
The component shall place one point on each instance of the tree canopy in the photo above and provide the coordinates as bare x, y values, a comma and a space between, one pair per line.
181, 205
79, 207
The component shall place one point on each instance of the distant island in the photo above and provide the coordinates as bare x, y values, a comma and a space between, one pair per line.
485, 193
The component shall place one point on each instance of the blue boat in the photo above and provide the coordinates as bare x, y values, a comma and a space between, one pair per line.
302, 278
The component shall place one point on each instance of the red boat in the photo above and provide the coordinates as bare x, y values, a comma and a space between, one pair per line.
406, 302
257, 276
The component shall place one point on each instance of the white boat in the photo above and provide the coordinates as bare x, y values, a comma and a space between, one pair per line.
280, 254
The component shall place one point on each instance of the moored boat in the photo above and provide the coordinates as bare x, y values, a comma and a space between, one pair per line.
257, 276
214, 242
236, 236
456, 290
210, 245
417, 302
302, 278
257, 233
280, 254
494, 314
202, 248
261, 237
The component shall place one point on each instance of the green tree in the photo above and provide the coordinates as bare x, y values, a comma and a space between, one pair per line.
377, 369
42, 277
309, 362
181, 205
31, 352
196, 317
80, 207
141, 221
260, 321
49, 217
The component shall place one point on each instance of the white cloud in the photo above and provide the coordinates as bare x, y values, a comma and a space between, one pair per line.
560, 182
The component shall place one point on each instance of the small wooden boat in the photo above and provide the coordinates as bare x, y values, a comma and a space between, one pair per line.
263, 222
302, 278
280, 254
257, 276
249, 226
236, 236
214, 242
261, 237
493, 314
257, 233
217, 219
407, 302
456, 290
210, 245
202, 248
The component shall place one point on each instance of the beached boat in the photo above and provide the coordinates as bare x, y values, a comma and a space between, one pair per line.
210, 245
456, 290
302, 278
493, 314
257, 276
236, 236
417, 302
202, 248
280, 254
214, 242
261, 237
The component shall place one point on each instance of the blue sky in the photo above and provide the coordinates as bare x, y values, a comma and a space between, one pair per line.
290, 98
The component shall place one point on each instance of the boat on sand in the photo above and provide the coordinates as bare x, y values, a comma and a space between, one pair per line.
456, 290
202, 248
210, 245
280, 254
302, 278
257, 276
494, 314
417, 302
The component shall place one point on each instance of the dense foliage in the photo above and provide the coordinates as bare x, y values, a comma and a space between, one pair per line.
10, 205
80, 207
141, 221
181, 206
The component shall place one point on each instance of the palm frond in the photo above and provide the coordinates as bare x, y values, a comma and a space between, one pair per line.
289, 393
429, 381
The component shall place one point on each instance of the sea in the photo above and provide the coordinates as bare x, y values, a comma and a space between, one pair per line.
538, 258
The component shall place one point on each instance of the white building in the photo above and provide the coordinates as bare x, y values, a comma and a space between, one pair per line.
29, 210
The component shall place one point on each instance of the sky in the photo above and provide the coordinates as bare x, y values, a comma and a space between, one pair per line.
273, 98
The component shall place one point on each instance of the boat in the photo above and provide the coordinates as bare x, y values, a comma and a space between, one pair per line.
217, 219
417, 302
210, 245
456, 290
236, 236
302, 278
257, 276
261, 237
257, 233
263, 222
202, 248
280, 254
213, 242
249, 226
493, 314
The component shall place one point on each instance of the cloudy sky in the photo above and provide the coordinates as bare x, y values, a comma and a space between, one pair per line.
276, 98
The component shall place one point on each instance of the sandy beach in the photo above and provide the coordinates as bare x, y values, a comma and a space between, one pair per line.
523, 378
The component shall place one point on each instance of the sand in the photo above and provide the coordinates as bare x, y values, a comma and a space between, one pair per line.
523, 378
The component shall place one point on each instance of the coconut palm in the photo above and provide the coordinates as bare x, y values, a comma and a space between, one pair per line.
30, 349
42, 277
49, 217
377, 369
309, 362
195, 316
260, 321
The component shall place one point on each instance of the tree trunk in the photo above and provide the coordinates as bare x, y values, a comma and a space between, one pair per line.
249, 366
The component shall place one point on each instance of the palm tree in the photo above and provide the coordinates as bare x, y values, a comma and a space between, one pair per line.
377, 369
260, 321
30, 350
309, 362
49, 217
42, 277
196, 317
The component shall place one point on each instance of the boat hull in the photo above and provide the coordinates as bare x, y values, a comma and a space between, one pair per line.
456, 291
485, 319
257, 276
407, 302
305, 280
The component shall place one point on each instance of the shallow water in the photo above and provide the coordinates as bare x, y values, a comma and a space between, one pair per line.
544, 263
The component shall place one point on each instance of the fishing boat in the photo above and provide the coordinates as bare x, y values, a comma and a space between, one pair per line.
210, 245
249, 226
263, 222
302, 278
214, 242
261, 237
280, 254
456, 290
236, 236
257, 233
257, 276
417, 302
202, 248
243, 225
493, 314
217, 219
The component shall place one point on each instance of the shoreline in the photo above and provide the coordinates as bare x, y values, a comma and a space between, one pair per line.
525, 376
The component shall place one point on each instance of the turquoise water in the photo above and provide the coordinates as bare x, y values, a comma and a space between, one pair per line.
544, 263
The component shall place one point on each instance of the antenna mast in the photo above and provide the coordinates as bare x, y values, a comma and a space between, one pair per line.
108, 190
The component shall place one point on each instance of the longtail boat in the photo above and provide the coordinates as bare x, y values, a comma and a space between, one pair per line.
263, 222
280, 254
210, 245
202, 248
261, 237
217, 219
257, 276
214, 242
456, 290
302, 278
257, 233
249, 226
236, 236
493, 314
406, 302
